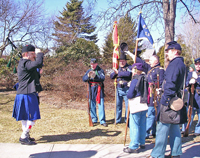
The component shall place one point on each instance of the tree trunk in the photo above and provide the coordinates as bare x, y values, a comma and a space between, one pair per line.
169, 15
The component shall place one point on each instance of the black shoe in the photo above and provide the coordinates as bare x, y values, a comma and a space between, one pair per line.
128, 150
197, 134
154, 135
142, 146
104, 124
31, 139
182, 132
26, 141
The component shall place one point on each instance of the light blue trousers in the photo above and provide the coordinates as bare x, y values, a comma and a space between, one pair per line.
101, 111
121, 94
162, 132
137, 124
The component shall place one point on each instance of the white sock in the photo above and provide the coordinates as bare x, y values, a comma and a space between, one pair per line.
29, 125
24, 123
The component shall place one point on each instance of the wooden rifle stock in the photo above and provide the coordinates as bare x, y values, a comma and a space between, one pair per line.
189, 113
89, 98
127, 121
155, 94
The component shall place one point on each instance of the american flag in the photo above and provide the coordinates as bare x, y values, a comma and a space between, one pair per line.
116, 45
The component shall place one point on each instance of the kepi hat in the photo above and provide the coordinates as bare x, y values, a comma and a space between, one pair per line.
197, 60
93, 60
138, 66
173, 45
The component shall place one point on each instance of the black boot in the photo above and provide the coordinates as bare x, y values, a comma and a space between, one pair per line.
26, 141
31, 139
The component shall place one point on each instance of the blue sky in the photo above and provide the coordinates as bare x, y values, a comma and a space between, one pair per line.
54, 6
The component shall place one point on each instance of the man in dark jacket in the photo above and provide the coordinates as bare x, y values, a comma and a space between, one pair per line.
26, 106
123, 75
95, 77
174, 77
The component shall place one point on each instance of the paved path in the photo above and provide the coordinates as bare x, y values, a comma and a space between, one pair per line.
16, 150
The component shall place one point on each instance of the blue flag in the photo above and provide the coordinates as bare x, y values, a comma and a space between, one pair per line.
143, 31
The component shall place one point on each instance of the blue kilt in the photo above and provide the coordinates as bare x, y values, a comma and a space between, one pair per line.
26, 107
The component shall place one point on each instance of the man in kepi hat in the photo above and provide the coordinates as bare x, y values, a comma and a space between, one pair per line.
194, 78
123, 75
138, 108
174, 78
26, 105
95, 77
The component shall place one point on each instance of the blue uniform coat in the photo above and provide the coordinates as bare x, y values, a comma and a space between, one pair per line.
124, 74
174, 76
100, 77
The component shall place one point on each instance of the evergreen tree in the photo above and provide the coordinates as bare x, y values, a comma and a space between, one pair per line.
127, 33
72, 24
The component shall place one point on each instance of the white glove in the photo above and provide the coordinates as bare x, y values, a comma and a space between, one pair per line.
130, 54
194, 75
37, 50
192, 81
129, 83
158, 90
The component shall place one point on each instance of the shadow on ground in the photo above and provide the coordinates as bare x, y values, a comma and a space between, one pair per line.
64, 154
78, 135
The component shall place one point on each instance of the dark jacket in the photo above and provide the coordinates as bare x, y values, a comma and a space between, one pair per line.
28, 77
124, 75
174, 77
100, 77
138, 87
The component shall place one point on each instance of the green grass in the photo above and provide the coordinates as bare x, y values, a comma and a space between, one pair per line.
64, 124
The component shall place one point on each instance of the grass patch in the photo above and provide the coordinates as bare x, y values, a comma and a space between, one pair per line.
64, 124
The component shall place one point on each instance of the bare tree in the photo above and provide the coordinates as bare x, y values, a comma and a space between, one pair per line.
157, 13
22, 21
190, 33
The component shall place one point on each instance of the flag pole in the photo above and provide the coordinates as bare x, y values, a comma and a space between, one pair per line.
115, 61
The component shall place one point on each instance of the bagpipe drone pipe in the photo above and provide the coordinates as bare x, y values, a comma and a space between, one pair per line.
13, 55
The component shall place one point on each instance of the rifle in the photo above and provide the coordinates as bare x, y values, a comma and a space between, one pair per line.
89, 102
127, 121
155, 94
185, 134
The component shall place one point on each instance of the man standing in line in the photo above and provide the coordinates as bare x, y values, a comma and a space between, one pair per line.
194, 78
95, 77
123, 75
26, 106
155, 74
174, 78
